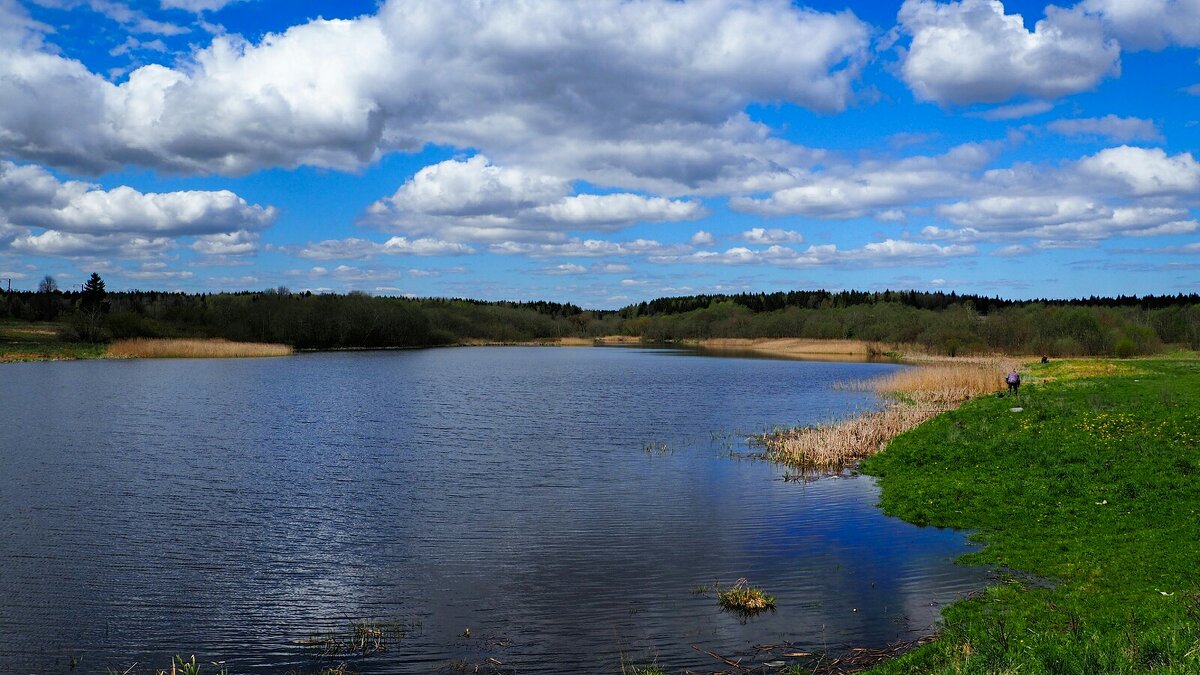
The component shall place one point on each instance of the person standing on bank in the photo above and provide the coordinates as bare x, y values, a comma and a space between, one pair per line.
1014, 381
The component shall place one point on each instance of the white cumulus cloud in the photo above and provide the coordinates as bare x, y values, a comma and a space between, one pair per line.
76, 216
1145, 171
475, 200
971, 51
849, 191
356, 248
576, 82
887, 253
774, 235
1149, 24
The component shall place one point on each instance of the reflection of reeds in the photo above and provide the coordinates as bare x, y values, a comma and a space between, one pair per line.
917, 394
188, 348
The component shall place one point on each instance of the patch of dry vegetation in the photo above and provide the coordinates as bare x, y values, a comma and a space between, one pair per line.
797, 347
916, 395
944, 384
159, 348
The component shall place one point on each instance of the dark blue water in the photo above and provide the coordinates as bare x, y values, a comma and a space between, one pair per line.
230, 508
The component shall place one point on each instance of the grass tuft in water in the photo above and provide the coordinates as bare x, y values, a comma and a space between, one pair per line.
651, 669
745, 599
363, 637
656, 448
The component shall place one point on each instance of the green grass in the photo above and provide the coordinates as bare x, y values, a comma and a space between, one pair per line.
1090, 495
20, 341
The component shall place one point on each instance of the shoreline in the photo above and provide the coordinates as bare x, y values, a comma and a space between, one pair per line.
928, 466
783, 348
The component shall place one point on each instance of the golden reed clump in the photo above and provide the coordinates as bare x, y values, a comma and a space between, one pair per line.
917, 394
148, 348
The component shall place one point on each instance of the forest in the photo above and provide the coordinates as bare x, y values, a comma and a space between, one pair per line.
946, 323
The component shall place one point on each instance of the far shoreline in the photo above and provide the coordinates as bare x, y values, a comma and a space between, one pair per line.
805, 349
786, 348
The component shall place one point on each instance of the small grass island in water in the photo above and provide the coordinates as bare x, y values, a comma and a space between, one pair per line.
745, 599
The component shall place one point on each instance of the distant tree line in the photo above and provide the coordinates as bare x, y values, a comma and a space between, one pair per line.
304, 320
1032, 328
943, 322
821, 299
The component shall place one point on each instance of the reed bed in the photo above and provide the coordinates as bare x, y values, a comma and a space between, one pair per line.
160, 348
943, 385
916, 395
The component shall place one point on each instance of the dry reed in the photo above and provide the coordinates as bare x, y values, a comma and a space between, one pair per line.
916, 395
796, 347
147, 348
944, 384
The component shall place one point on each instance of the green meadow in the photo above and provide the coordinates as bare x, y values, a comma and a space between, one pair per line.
1086, 499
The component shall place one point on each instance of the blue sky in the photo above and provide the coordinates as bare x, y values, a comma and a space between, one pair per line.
602, 153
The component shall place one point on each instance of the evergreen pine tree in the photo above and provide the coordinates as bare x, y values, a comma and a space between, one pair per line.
93, 294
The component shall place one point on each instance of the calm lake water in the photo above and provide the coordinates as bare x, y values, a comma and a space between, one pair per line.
231, 508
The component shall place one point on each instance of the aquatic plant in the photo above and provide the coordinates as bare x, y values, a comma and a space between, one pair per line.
362, 637
745, 599
148, 348
182, 667
656, 447
916, 394
651, 669
943, 384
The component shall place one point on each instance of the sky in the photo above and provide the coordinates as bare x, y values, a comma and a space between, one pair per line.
601, 152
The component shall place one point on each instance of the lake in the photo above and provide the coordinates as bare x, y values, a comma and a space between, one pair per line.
531, 510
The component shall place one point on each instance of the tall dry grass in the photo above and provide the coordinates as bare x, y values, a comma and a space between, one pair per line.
916, 395
156, 348
943, 384
803, 348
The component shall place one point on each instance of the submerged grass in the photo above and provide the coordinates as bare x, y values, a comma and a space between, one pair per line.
916, 395
193, 348
1094, 488
364, 637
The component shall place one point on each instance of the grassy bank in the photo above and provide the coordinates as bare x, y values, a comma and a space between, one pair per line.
25, 341
1092, 489
28, 341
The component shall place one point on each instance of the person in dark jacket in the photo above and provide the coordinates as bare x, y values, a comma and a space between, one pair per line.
1014, 381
